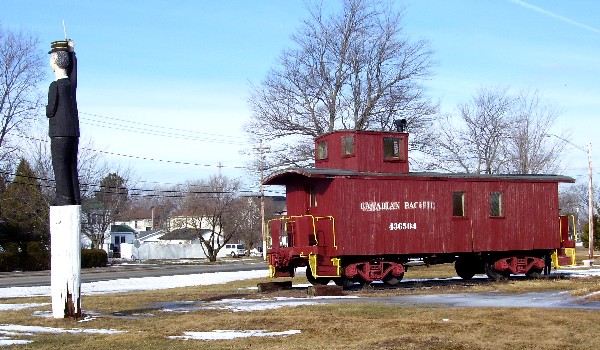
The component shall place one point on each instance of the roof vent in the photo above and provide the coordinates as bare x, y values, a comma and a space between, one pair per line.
400, 125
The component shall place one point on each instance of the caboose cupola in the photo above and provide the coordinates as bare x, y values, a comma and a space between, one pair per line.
363, 151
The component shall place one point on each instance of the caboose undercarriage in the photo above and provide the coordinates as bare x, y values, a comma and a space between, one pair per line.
347, 270
308, 241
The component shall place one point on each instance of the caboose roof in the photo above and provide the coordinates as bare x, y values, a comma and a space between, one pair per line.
293, 174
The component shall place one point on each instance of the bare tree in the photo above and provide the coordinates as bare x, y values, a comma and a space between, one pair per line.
210, 208
497, 132
475, 145
354, 69
249, 218
100, 211
161, 205
529, 149
21, 70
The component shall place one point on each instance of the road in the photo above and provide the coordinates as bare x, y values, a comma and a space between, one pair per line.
42, 278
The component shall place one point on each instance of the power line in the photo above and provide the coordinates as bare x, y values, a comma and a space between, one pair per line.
162, 127
141, 157
138, 130
219, 165
164, 160
136, 192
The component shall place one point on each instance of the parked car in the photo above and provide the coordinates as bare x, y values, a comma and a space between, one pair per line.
234, 250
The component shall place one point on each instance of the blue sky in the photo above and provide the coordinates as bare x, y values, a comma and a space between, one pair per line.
169, 80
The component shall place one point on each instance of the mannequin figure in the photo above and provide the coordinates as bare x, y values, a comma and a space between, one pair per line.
65, 210
64, 123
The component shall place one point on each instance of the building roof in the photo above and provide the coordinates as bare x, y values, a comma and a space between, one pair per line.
184, 234
284, 176
135, 213
145, 234
121, 229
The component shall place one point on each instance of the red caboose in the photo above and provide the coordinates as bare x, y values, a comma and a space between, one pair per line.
360, 215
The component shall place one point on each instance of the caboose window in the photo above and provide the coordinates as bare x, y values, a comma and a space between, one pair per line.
312, 193
321, 150
348, 145
393, 148
496, 204
458, 204
311, 196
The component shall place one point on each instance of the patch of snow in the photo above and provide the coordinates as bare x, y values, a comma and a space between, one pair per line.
140, 284
40, 329
13, 307
14, 330
246, 305
232, 334
561, 299
9, 342
577, 271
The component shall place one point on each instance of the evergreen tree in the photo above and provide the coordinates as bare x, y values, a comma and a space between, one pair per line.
24, 209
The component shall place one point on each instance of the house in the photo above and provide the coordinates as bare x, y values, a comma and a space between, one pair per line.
180, 240
188, 236
139, 218
119, 234
188, 221
177, 244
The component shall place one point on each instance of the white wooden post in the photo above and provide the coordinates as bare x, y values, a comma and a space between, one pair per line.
65, 261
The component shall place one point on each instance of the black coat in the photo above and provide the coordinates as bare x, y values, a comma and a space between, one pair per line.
62, 109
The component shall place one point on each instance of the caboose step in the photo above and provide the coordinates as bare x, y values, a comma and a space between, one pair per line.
564, 260
319, 291
274, 286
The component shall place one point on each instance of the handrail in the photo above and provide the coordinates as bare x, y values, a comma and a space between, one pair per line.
317, 218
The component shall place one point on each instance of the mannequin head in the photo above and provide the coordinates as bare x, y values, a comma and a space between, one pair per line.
59, 61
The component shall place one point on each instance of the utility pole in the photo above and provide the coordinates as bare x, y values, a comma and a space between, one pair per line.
261, 167
590, 204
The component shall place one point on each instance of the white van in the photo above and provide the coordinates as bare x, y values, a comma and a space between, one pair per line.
234, 250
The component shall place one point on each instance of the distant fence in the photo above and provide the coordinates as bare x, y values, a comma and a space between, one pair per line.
149, 251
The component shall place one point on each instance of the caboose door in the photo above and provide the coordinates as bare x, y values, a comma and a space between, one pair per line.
461, 225
461, 237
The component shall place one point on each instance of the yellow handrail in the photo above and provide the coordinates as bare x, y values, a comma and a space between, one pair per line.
317, 218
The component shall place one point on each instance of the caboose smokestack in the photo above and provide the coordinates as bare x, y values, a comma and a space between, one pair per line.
400, 125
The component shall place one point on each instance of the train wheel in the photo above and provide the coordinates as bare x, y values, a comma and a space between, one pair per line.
344, 282
534, 273
465, 268
316, 281
392, 280
495, 275
364, 284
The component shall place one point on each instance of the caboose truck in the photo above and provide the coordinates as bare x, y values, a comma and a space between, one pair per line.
360, 216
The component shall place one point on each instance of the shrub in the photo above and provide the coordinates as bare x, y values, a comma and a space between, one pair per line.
93, 258
9, 257
35, 257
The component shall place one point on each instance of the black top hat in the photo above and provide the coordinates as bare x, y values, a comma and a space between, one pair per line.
60, 45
